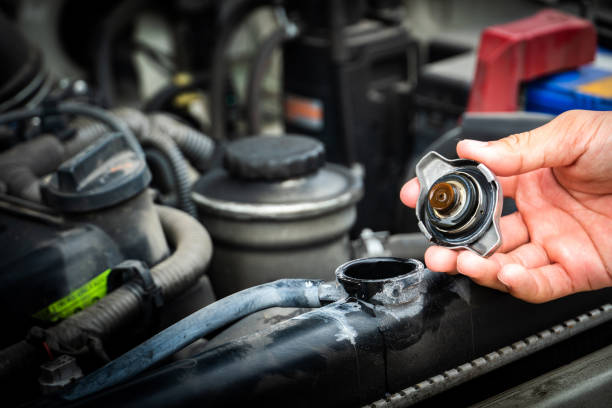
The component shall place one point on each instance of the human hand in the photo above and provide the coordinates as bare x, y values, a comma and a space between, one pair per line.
559, 241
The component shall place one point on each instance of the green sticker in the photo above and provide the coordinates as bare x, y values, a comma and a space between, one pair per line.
76, 300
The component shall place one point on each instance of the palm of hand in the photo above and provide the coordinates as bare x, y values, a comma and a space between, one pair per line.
562, 237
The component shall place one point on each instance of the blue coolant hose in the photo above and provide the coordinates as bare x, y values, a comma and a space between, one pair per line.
281, 293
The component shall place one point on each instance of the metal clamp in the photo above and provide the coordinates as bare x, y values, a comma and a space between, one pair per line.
137, 276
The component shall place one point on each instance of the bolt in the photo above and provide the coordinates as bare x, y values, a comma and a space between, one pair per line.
80, 87
442, 196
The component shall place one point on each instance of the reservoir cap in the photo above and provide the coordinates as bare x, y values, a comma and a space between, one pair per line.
104, 174
274, 157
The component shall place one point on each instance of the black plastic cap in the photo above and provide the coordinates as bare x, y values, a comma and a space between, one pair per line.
106, 173
274, 158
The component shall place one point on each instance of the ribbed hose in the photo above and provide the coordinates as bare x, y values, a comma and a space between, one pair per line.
87, 132
134, 119
131, 122
152, 136
108, 315
192, 255
281, 293
149, 131
122, 306
79, 109
195, 145
104, 116
179, 167
173, 275
162, 172
164, 134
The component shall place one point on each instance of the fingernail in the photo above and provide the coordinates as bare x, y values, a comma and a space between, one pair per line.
509, 274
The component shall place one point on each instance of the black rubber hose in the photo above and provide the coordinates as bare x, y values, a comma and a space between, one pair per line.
113, 24
281, 293
258, 69
87, 132
172, 153
104, 116
161, 170
232, 19
22, 165
163, 140
19, 115
79, 109
173, 275
135, 120
196, 146
152, 137
339, 55
122, 306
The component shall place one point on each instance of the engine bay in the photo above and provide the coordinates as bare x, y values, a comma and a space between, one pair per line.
199, 207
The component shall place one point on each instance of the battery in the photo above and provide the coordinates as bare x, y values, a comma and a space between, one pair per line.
588, 87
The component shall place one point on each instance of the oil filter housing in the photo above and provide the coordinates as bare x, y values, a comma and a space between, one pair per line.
460, 204
276, 210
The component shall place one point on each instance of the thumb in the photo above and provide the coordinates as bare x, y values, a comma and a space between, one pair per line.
558, 143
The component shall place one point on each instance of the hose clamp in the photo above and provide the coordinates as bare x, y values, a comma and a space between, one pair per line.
136, 276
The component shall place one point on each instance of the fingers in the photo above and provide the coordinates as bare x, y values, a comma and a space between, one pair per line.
558, 143
514, 232
481, 270
485, 271
410, 193
508, 185
439, 259
536, 285
524, 272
